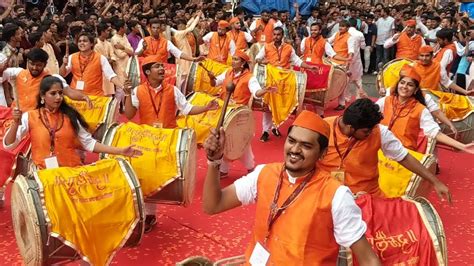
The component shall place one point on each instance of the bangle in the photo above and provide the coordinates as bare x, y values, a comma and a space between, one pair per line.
215, 163
127, 95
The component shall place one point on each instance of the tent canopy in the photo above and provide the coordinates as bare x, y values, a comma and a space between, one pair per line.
256, 6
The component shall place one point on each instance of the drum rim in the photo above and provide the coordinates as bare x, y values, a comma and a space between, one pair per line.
188, 168
21, 185
230, 115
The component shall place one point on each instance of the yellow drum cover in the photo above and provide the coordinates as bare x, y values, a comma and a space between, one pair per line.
198, 79
103, 111
390, 74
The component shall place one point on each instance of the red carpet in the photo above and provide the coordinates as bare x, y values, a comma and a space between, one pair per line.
184, 232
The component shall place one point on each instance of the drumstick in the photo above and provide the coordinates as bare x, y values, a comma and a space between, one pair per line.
15, 95
202, 65
229, 89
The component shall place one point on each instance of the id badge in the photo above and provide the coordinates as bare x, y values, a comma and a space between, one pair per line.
259, 255
51, 162
308, 59
158, 125
339, 175
80, 85
262, 38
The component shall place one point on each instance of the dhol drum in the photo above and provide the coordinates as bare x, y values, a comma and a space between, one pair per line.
167, 168
239, 124
88, 212
401, 231
9, 167
396, 181
390, 74
198, 79
325, 84
260, 72
465, 123
104, 112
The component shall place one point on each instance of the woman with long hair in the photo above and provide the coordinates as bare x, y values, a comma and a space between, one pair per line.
57, 130
405, 113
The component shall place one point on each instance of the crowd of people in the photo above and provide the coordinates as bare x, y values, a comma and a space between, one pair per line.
84, 50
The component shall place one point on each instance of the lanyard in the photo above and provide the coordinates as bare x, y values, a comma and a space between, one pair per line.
311, 45
221, 45
83, 65
395, 115
51, 131
157, 111
351, 144
276, 212
153, 41
235, 39
279, 51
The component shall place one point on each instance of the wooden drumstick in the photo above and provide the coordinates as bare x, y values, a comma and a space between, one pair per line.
202, 65
15, 95
229, 90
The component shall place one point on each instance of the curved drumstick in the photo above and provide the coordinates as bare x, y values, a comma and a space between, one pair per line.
229, 89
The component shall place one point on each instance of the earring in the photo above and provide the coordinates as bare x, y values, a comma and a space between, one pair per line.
42, 101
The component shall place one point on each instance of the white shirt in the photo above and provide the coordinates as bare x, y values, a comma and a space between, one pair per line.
327, 48
254, 86
294, 59
85, 138
208, 36
385, 27
11, 73
427, 122
391, 147
253, 26
347, 217
391, 42
180, 100
431, 105
448, 57
3, 100
169, 47
427, 33
358, 38
104, 63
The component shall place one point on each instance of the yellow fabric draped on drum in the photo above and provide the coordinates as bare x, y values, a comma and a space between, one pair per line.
96, 115
202, 123
394, 179
159, 164
91, 207
455, 106
284, 101
202, 82
391, 72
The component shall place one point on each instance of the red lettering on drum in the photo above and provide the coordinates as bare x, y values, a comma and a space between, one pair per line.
83, 106
411, 261
138, 135
4, 126
74, 184
403, 241
92, 199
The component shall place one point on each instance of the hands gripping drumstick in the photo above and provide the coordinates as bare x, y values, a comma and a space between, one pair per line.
229, 90
202, 65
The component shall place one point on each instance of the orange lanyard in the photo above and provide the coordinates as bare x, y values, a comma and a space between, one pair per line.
351, 144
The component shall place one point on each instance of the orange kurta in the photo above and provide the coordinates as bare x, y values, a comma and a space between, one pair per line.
88, 70
192, 42
403, 120
156, 47
408, 47
165, 112
314, 50
28, 89
340, 45
242, 92
439, 56
265, 35
430, 75
303, 234
361, 165
219, 48
239, 39
65, 140
279, 57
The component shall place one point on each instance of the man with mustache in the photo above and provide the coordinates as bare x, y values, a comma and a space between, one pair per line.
302, 213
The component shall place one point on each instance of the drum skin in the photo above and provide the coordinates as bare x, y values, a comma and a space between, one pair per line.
31, 227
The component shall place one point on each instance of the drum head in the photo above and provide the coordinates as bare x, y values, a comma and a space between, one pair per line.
239, 126
25, 223
187, 157
339, 81
190, 79
390, 73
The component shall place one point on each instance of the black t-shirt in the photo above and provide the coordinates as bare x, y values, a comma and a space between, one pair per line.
372, 31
